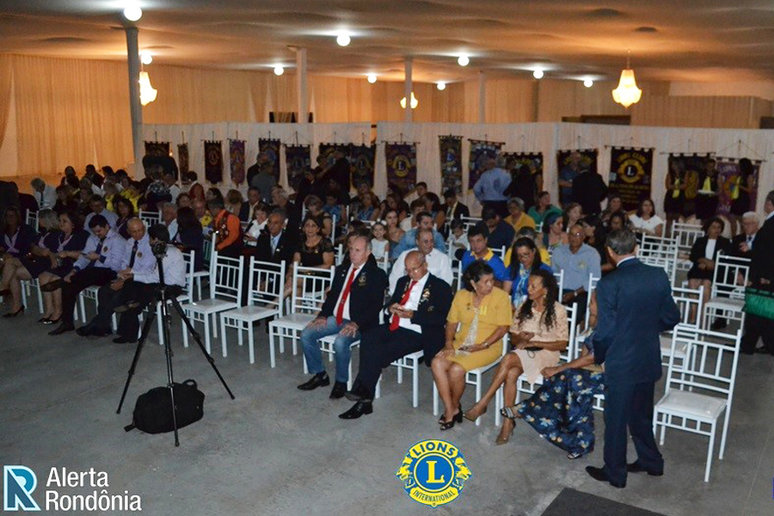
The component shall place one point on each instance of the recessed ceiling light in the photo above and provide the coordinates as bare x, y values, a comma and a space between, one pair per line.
132, 12
538, 73
371, 77
588, 83
146, 58
463, 60
343, 39
279, 70
441, 86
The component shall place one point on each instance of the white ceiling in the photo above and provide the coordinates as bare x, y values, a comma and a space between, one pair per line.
689, 40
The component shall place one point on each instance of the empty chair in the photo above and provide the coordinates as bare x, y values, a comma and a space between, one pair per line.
727, 293
684, 235
659, 252
700, 391
264, 300
225, 294
306, 301
149, 217
689, 302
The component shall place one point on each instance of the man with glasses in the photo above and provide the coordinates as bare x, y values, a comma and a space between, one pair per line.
577, 260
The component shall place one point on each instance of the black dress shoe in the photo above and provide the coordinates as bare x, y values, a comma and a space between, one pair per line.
601, 475
318, 380
339, 388
123, 340
85, 330
14, 314
358, 393
101, 333
62, 328
719, 324
636, 467
357, 410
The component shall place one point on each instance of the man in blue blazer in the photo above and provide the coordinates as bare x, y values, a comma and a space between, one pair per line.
635, 304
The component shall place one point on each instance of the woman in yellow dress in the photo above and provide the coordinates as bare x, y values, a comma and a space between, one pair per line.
478, 319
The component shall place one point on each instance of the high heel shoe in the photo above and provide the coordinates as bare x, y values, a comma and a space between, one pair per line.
471, 417
14, 314
52, 321
505, 436
456, 418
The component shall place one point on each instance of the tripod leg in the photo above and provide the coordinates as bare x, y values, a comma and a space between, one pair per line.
143, 335
164, 326
198, 340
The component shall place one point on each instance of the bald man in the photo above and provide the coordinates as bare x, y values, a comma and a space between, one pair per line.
416, 317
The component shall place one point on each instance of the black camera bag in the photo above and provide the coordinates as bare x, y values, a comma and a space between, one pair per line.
153, 410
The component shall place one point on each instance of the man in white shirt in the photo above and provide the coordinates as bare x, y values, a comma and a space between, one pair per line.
416, 318
98, 207
44, 194
169, 218
169, 180
438, 262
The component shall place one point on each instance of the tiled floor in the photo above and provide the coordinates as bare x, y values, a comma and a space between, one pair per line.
278, 450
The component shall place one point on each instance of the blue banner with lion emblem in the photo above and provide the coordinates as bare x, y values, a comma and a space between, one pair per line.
401, 161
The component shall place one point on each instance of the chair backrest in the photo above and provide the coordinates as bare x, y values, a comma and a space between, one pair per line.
590, 288
267, 283
468, 222
500, 252
712, 367
659, 252
571, 351
730, 276
460, 286
32, 219
311, 286
226, 278
188, 258
339, 254
559, 280
384, 263
684, 235
149, 217
207, 249
689, 301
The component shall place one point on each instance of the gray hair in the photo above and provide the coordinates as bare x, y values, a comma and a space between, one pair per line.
528, 232
169, 205
622, 241
37, 183
751, 215
48, 219
516, 201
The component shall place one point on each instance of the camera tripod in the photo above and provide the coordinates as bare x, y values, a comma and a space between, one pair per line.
162, 297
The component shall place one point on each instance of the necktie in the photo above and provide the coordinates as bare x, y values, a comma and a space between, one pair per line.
134, 254
98, 250
395, 322
749, 242
345, 296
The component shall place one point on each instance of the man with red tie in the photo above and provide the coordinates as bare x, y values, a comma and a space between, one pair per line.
416, 320
351, 307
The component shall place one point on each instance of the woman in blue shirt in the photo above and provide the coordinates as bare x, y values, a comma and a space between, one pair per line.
528, 260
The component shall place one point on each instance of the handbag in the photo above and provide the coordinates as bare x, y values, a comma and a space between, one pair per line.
153, 410
759, 302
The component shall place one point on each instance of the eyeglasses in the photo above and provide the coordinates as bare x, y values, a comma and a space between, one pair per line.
577, 234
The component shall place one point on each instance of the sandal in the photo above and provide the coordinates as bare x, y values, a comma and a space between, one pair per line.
471, 418
510, 413
502, 439
457, 418
574, 455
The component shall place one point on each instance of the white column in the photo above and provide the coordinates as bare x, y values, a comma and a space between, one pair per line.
481, 97
408, 86
135, 108
303, 98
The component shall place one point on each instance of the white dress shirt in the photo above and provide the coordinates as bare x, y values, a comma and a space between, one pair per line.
47, 198
345, 315
709, 251
174, 269
412, 304
438, 264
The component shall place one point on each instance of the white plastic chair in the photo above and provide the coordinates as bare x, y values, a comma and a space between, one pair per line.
198, 276
409, 362
474, 377
149, 217
32, 220
26, 289
684, 235
700, 391
469, 222
590, 288
311, 285
264, 300
689, 302
727, 293
659, 252
226, 284
326, 347
559, 279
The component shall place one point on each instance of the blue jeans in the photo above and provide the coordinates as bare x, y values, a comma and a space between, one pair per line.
313, 355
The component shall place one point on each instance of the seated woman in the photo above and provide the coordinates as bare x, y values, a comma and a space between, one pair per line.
646, 221
41, 257
394, 232
369, 207
189, 236
538, 333
314, 206
554, 234
482, 312
234, 201
704, 254
256, 226
527, 261
125, 211
16, 241
71, 241
314, 250
561, 409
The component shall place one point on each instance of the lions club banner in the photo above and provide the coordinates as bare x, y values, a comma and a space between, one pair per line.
631, 171
361, 159
213, 161
451, 162
237, 152
271, 148
156, 148
401, 165
298, 161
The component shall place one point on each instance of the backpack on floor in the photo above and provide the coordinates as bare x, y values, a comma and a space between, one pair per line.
153, 410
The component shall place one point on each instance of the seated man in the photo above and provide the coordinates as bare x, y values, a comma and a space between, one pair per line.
423, 220
438, 263
140, 292
99, 207
501, 233
577, 260
417, 314
137, 259
351, 306
277, 244
247, 211
169, 218
100, 260
477, 237
229, 237
453, 208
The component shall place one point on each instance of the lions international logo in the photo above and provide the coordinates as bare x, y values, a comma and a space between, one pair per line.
433, 472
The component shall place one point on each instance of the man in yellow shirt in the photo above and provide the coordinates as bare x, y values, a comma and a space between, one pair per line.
517, 218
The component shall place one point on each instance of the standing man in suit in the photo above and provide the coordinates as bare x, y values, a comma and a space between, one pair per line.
352, 306
417, 318
634, 305
742, 244
761, 277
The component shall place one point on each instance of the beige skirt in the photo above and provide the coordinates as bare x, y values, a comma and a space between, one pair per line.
536, 361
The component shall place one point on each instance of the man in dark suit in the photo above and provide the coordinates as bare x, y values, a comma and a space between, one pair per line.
416, 321
352, 306
634, 305
589, 190
761, 277
453, 208
742, 244
277, 244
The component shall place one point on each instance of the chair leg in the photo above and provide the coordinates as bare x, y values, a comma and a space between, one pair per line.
723, 436
223, 336
378, 390
207, 333
214, 325
435, 399
478, 395
240, 326
415, 385
185, 330
159, 323
250, 341
400, 370
272, 332
82, 304
710, 449
40, 299
498, 405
